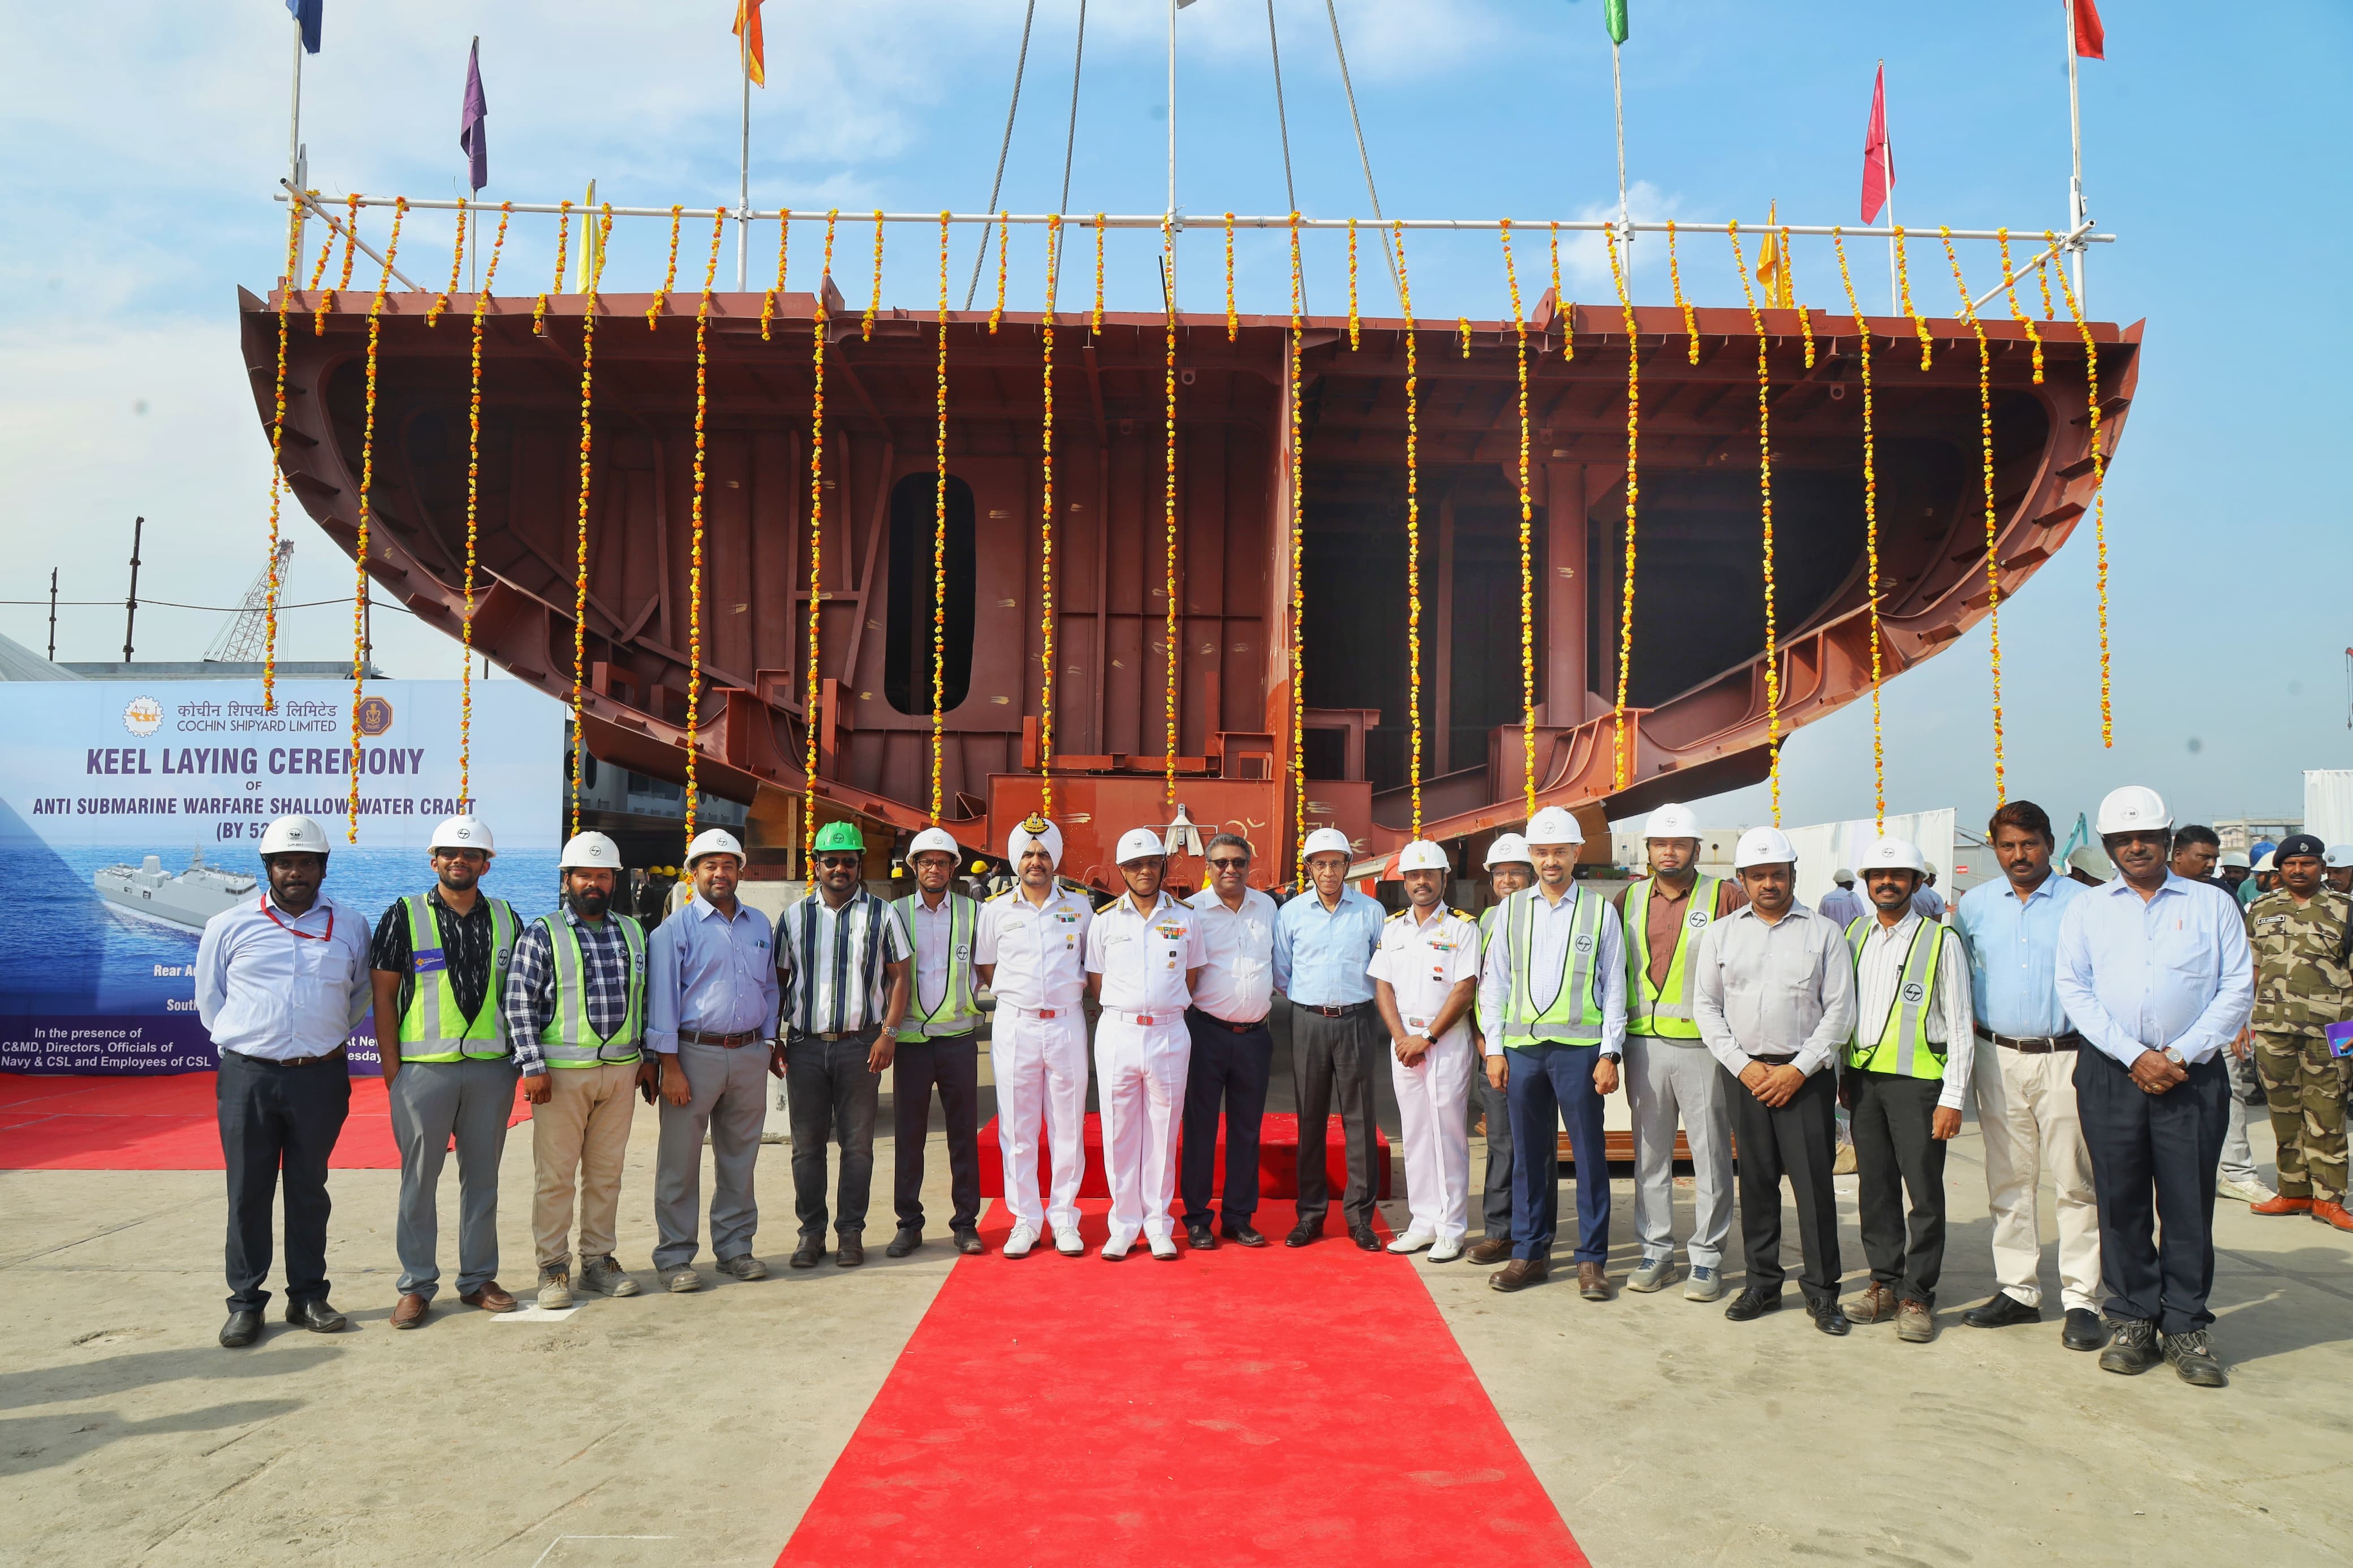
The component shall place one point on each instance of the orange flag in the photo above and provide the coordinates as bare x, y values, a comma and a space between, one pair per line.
747, 27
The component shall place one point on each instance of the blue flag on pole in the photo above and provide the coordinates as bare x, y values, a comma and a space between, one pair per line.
306, 12
473, 128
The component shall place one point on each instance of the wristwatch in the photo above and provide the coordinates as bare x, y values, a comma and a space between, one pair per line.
2174, 1057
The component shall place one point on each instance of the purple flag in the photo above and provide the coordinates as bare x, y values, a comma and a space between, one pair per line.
306, 13
473, 133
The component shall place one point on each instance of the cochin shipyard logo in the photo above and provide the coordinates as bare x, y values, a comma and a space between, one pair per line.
144, 716
375, 716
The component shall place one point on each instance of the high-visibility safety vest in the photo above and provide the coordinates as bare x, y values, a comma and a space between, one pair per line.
1575, 1011
569, 1041
434, 1028
1664, 1010
955, 1013
1901, 1045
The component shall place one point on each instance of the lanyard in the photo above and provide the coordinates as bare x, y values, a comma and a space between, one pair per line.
305, 935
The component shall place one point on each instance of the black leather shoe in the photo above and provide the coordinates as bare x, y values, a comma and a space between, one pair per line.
2194, 1357
1305, 1231
809, 1253
316, 1316
1831, 1319
1753, 1303
2084, 1330
1200, 1239
2002, 1312
905, 1242
1362, 1235
2131, 1348
1243, 1234
967, 1240
241, 1329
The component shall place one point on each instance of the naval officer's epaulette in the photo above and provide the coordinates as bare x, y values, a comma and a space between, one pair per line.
1463, 915
998, 897
1398, 916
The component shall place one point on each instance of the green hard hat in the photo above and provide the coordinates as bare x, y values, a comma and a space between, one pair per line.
840, 835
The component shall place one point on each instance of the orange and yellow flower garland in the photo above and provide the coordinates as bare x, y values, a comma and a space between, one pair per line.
351, 241
940, 526
2099, 487
1765, 486
1904, 283
1675, 277
603, 232
457, 261
1527, 576
1561, 308
1993, 557
563, 246
669, 273
277, 460
874, 298
1045, 523
1412, 525
784, 246
816, 544
1634, 494
367, 485
1298, 565
694, 570
1353, 333
1789, 281
1168, 512
1233, 321
1004, 248
473, 499
1869, 536
2009, 287
1096, 325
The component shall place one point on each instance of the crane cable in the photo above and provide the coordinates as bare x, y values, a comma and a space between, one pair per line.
997, 186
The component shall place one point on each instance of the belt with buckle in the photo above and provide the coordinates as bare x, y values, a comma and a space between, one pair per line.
335, 1054
2036, 1045
1249, 1027
734, 1042
1125, 1017
1343, 1011
839, 1034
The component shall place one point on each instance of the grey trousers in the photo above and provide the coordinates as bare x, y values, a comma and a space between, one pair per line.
1336, 1058
1667, 1082
832, 1096
2238, 1155
432, 1102
1496, 1105
726, 1095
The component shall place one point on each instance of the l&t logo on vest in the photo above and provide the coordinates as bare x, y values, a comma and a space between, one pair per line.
1915, 992
1584, 941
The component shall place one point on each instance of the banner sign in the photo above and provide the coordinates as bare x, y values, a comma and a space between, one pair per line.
130, 814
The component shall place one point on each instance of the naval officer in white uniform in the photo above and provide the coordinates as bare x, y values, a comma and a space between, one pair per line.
1145, 955
1425, 978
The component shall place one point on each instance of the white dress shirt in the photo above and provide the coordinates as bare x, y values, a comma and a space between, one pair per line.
284, 986
1783, 990
1879, 969
1039, 950
1423, 961
2173, 971
1548, 966
934, 952
1142, 957
1238, 968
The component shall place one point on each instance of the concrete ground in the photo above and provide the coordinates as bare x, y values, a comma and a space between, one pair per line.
694, 1429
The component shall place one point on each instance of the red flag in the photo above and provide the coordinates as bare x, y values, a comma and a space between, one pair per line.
2091, 38
1878, 157
747, 28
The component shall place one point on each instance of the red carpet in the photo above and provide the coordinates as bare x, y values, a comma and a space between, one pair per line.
1237, 1406
160, 1124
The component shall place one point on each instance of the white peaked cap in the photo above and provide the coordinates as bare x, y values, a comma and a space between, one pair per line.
1033, 830
1764, 847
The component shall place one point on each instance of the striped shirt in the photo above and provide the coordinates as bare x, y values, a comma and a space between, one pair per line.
829, 962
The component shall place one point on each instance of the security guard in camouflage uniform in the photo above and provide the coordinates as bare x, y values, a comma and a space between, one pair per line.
2300, 932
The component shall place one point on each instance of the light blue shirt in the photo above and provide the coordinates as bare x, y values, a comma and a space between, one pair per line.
708, 973
284, 986
1320, 954
1550, 927
1842, 907
2172, 971
2013, 947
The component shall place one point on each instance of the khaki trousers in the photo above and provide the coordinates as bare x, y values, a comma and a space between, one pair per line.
583, 1131
2026, 1114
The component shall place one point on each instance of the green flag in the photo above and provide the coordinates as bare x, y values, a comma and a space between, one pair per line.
1614, 12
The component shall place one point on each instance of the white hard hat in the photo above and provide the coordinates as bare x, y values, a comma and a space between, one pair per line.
1421, 854
1892, 854
2135, 807
935, 840
2270, 862
2238, 858
589, 852
293, 836
1326, 841
1554, 826
1843, 877
713, 841
1672, 821
1764, 847
463, 832
2338, 856
1032, 829
1509, 850
1139, 844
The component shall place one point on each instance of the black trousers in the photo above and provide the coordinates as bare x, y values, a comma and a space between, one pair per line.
1796, 1141
1496, 1104
1338, 1057
278, 1118
832, 1095
951, 1063
1228, 1074
1895, 1157
2153, 1160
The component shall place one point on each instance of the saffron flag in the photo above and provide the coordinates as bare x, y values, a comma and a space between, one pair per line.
747, 28
1878, 156
2091, 38
589, 250
306, 13
473, 133
1772, 270
1614, 14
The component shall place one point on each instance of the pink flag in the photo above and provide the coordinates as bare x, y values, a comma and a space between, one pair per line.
1878, 157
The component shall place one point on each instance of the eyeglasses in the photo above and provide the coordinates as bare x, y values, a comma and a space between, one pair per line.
838, 862
1228, 865
471, 856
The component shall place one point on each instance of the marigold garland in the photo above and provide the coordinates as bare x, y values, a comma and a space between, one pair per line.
1412, 525
1633, 493
1353, 334
2099, 485
1527, 574
1675, 276
276, 462
1764, 486
1233, 321
326, 253
1046, 523
1298, 565
1993, 557
669, 273
367, 485
457, 261
784, 244
473, 499
1561, 308
1790, 282
874, 298
1869, 535
694, 571
816, 544
2042, 275
1096, 325
1463, 325
940, 525
1169, 510
603, 232
562, 246
1004, 246
1903, 284
2009, 287
351, 227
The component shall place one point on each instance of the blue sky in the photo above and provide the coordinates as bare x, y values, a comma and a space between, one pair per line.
144, 139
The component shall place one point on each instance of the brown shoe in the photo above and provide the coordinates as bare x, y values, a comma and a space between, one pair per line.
410, 1310
2331, 1214
1914, 1323
1592, 1283
850, 1252
1875, 1305
1520, 1273
490, 1297
2280, 1203
1494, 1249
